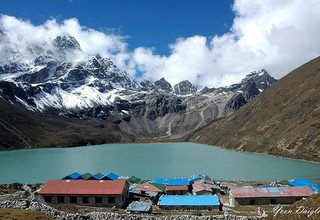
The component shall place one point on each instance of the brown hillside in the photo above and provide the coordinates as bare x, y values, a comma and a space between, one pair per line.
20, 214
284, 120
303, 209
20, 128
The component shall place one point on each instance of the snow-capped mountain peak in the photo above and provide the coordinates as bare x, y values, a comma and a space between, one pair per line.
66, 42
74, 85
185, 87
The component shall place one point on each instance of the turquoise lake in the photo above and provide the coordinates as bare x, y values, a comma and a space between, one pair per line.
149, 161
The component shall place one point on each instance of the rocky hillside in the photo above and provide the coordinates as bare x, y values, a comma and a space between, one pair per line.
283, 121
20, 128
62, 81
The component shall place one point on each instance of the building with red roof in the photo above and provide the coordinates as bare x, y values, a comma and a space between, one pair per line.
201, 188
177, 190
86, 192
267, 195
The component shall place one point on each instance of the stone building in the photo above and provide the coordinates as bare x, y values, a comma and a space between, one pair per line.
267, 195
177, 190
86, 192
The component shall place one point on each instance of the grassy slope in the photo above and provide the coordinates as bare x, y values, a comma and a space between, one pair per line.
20, 128
284, 120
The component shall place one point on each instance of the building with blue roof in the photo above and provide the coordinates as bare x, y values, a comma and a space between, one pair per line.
110, 176
303, 182
73, 176
172, 181
189, 202
198, 177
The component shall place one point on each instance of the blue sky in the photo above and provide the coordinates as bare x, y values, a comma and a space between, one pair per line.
212, 43
147, 23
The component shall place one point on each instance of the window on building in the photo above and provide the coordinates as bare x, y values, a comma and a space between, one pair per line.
73, 199
60, 199
85, 200
98, 200
111, 200
273, 201
48, 199
252, 201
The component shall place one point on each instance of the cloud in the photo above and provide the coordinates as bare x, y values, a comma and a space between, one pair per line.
24, 38
275, 35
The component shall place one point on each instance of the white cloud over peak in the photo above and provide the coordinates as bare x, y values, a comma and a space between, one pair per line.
23, 37
275, 35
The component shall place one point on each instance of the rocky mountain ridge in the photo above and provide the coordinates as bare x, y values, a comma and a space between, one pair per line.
94, 87
282, 121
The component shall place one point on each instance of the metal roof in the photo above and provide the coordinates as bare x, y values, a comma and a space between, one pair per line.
149, 187
198, 176
110, 176
139, 207
201, 186
134, 179
303, 182
172, 181
97, 176
159, 186
86, 176
177, 188
83, 187
143, 193
123, 177
72, 176
265, 192
194, 200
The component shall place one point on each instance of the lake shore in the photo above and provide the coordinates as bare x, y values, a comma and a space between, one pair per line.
181, 138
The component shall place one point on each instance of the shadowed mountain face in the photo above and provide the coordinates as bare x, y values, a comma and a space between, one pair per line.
283, 121
20, 128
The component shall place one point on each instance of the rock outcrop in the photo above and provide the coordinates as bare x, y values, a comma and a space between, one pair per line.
185, 87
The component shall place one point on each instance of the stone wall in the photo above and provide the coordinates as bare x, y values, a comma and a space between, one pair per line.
119, 200
264, 201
